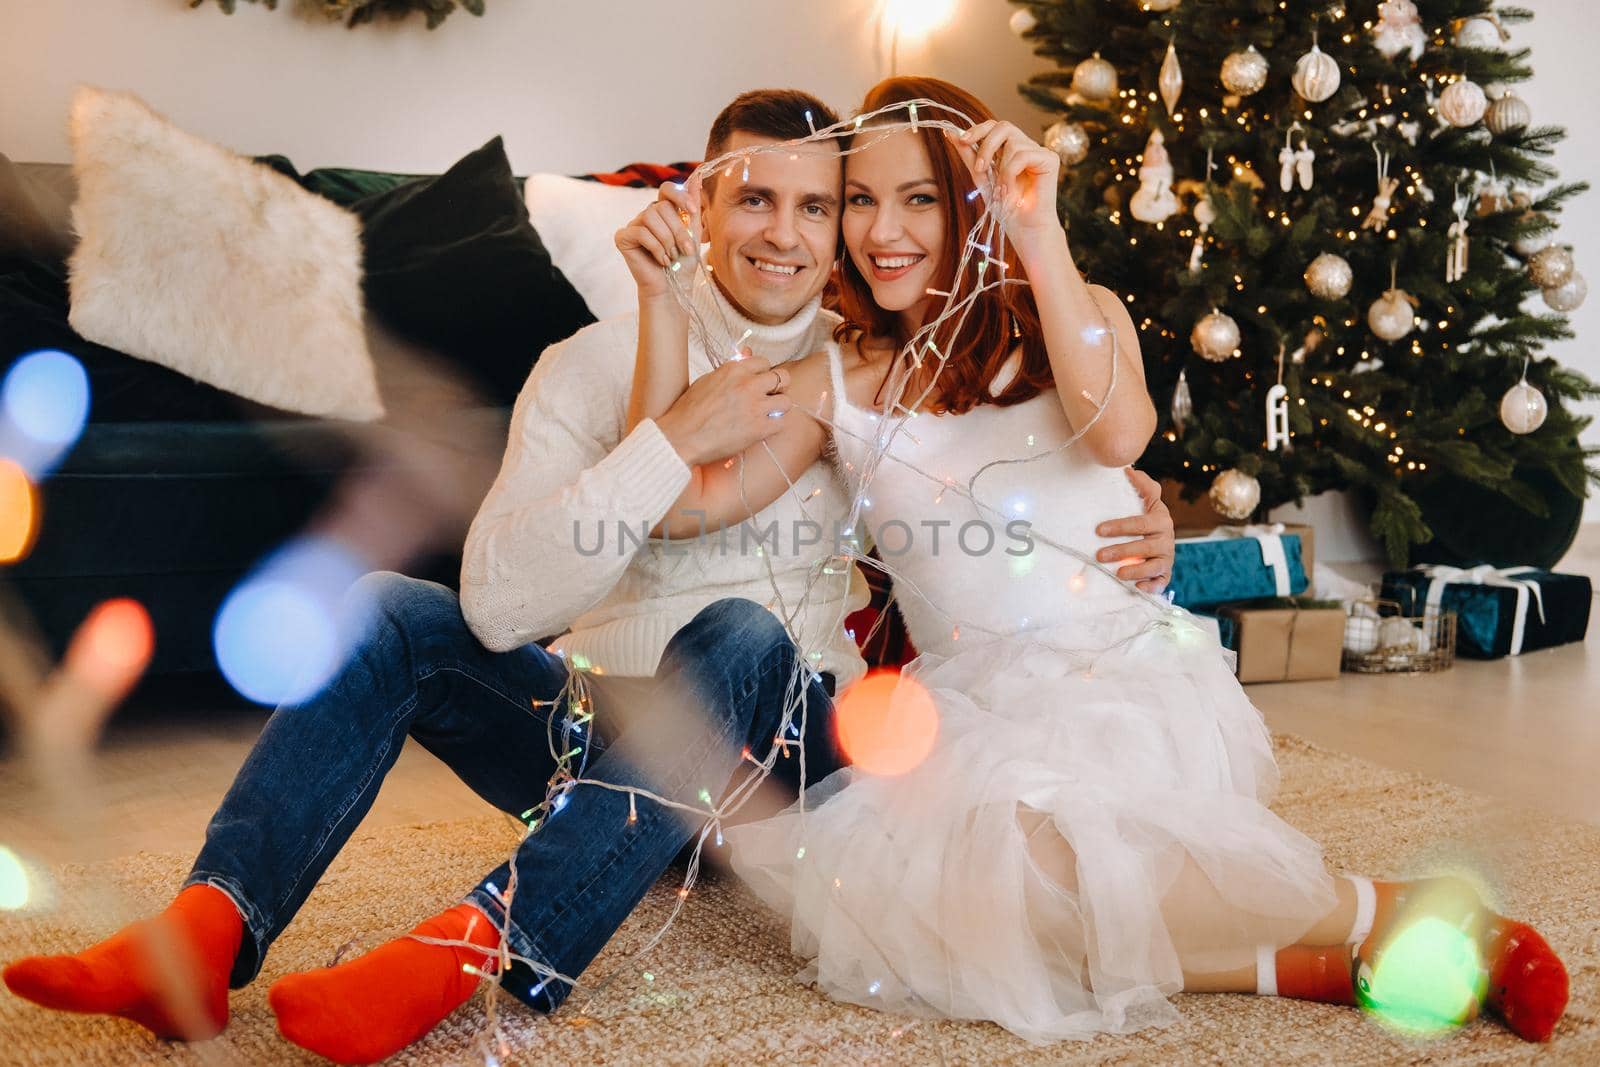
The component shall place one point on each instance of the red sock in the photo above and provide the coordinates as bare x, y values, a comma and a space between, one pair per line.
374, 1006
1528, 984
1320, 972
168, 974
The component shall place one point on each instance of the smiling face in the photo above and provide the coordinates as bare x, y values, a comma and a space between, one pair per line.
772, 224
894, 224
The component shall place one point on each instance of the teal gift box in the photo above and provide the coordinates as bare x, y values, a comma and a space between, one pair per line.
1499, 612
1240, 563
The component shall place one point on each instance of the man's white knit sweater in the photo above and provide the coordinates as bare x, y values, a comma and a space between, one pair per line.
530, 568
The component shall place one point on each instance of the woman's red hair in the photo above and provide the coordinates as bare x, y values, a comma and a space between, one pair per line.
980, 349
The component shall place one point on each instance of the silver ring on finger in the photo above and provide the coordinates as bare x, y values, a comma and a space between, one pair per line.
775, 413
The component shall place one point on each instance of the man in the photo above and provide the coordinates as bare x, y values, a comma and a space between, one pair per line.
677, 645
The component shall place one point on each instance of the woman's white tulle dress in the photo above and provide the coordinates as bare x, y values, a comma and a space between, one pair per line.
1075, 719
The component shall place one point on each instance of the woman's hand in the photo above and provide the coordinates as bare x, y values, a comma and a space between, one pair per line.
660, 234
1023, 175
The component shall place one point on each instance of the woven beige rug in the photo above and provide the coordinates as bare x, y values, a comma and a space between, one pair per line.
721, 991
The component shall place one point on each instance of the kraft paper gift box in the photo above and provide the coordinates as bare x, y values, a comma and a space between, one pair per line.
1284, 639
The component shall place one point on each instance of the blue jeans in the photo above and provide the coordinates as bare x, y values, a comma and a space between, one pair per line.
418, 671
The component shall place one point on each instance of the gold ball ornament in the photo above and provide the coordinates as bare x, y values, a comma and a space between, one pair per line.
1023, 20
1462, 103
1095, 79
1391, 317
1068, 140
1508, 112
1329, 277
1568, 296
1523, 408
1235, 494
1215, 336
1316, 76
1244, 72
1549, 268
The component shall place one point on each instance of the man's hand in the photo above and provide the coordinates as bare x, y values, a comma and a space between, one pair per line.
1150, 556
725, 412
661, 233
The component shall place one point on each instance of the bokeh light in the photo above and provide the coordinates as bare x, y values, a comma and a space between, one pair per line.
14, 892
914, 18
44, 403
284, 631
19, 512
1425, 980
113, 646
886, 724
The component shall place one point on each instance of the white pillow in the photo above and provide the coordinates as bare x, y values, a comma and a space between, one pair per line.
578, 220
213, 265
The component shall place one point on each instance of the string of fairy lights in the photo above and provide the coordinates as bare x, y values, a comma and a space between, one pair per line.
982, 268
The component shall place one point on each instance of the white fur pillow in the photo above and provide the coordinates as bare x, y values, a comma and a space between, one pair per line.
213, 265
578, 220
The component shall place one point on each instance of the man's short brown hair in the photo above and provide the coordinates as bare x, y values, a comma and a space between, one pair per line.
777, 114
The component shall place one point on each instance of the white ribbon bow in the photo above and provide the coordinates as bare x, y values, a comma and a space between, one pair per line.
1440, 576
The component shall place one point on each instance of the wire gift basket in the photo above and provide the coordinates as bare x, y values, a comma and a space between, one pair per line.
1380, 639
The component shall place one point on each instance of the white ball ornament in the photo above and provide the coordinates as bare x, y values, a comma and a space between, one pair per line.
1205, 212
1215, 336
1523, 408
1023, 20
1391, 317
1235, 494
1361, 629
1549, 268
1095, 79
1329, 277
1244, 72
1068, 140
1508, 112
1479, 33
1316, 76
1398, 634
1568, 296
1462, 103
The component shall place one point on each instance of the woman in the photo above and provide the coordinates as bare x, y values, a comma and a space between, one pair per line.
1088, 833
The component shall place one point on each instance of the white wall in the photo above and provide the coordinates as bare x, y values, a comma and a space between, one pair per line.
587, 85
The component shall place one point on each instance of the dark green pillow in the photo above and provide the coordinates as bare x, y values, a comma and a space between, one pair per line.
452, 264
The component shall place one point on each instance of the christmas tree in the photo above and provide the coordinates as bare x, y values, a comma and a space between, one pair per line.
1344, 198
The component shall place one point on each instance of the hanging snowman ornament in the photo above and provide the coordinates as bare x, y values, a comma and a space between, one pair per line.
1399, 29
1154, 201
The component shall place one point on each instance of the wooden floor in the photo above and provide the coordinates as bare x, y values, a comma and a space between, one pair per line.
1526, 729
